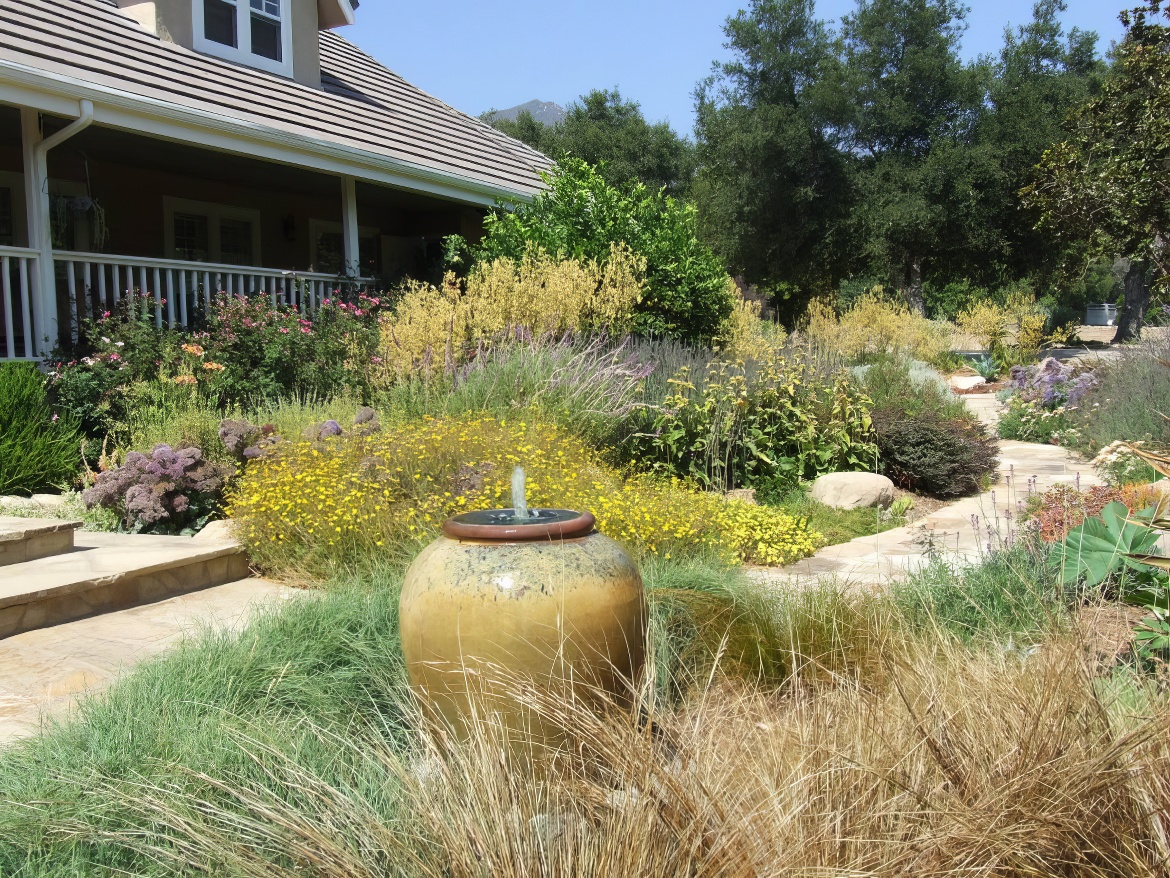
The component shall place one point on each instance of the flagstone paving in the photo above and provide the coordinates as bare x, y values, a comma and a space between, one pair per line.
963, 531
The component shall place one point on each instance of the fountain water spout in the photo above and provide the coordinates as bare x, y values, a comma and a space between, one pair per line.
519, 494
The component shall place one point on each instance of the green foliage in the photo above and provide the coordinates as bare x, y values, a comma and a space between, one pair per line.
773, 183
1011, 592
927, 454
987, 368
1031, 421
927, 439
834, 525
38, 450
873, 149
580, 216
611, 133
1099, 549
330, 663
745, 425
1131, 398
248, 353
1097, 188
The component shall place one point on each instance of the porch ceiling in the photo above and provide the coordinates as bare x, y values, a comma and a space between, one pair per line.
121, 147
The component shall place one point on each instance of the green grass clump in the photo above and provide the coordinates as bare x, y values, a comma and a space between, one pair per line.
1132, 398
37, 452
1013, 592
835, 525
324, 663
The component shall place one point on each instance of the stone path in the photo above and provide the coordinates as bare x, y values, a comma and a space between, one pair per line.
963, 531
43, 672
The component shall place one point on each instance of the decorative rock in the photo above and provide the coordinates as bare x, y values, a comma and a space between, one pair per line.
743, 495
49, 501
216, 532
853, 490
967, 382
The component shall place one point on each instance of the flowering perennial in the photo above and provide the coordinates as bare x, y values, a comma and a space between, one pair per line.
348, 497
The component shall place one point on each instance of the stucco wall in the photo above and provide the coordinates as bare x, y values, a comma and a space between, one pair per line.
172, 21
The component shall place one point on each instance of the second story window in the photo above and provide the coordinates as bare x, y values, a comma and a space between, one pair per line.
253, 32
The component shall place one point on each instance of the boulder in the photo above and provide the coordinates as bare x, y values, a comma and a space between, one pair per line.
853, 490
743, 495
966, 382
49, 501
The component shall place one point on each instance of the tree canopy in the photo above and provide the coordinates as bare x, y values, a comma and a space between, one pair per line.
874, 149
1105, 188
605, 130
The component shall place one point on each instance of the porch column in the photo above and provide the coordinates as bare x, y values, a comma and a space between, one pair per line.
40, 231
349, 226
40, 234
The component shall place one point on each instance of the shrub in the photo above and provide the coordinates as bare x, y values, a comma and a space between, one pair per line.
927, 439
747, 424
437, 328
589, 386
1044, 398
38, 450
166, 491
248, 352
1064, 507
1132, 399
929, 454
579, 216
745, 336
876, 326
315, 504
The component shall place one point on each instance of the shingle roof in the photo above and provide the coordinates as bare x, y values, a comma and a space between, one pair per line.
362, 105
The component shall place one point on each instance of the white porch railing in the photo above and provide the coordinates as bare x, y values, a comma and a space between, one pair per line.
96, 283
18, 303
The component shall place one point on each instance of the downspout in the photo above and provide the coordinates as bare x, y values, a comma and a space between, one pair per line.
41, 229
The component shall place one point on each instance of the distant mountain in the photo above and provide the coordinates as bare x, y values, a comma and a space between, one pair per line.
545, 112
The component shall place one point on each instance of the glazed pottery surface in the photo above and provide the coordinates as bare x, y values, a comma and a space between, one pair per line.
479, 617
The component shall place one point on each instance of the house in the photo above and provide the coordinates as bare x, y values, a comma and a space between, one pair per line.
179, 147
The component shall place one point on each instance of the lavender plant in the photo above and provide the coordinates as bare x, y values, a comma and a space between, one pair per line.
166, 491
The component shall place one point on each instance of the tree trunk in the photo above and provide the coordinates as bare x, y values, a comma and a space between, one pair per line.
915, 297
1137, 300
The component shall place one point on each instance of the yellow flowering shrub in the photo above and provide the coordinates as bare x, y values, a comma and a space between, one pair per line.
433, 327
876, 324
746, 335
315, 505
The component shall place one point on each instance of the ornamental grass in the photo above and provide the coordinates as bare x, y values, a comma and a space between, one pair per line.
311, 506
950, 763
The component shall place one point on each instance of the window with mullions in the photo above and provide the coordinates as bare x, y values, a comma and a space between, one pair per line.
254, 32
265, 26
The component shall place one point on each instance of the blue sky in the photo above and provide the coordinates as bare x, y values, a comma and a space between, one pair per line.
480, 54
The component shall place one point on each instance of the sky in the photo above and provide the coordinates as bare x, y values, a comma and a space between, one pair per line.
478, 55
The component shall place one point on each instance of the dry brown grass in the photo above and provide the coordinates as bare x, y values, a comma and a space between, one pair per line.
949, 763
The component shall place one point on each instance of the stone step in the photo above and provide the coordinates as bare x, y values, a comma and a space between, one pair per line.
106, 572
44, 673
27, 539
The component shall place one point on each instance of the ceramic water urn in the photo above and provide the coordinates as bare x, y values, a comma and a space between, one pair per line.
540, 600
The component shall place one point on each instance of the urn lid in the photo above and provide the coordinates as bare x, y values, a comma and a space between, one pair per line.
502, 525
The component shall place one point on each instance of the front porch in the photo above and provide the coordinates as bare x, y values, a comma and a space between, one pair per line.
90, 215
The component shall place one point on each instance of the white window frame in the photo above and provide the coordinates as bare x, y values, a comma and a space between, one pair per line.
243, 53
316, 227
214, 213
